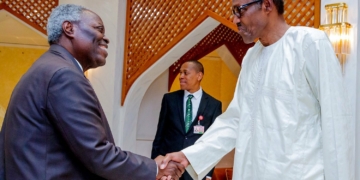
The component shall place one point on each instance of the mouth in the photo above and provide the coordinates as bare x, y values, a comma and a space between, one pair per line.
104, 47
243, 31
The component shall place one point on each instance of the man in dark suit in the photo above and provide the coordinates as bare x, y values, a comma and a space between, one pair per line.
175, 132
54, 127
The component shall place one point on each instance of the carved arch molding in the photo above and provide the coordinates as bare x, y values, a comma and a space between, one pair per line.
154, 26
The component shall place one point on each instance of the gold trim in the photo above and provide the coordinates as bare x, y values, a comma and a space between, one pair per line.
336, 5
348, 25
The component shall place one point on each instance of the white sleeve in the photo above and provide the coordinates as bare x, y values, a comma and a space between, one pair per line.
216, 142
323, 72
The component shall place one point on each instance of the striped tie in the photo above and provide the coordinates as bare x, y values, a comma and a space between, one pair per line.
188, 114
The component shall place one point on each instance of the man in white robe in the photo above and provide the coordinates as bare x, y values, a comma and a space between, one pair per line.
289, 118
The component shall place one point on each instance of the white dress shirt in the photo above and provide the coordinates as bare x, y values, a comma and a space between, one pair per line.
195, 102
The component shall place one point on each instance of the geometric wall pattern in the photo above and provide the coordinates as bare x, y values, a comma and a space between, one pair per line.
221, 35
154, 26
297, 12
33, 12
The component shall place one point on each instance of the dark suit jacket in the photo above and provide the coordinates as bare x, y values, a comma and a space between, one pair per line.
170, 135
55, 128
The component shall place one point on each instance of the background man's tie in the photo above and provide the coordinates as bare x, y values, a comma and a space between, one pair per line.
188, 114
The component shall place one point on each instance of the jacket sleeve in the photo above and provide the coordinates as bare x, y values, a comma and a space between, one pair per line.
218, 111
323, 73
76, 113
156, 149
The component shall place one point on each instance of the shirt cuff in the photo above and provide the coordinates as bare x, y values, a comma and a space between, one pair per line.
157, 168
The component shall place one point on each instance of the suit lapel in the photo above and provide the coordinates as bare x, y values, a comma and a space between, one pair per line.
180, 104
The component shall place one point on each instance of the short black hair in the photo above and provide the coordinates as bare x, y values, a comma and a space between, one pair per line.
198, 66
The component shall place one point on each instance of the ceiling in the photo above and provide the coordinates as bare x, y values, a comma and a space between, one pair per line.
16, 32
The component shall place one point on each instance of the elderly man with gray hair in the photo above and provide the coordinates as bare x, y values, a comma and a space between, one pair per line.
54, 127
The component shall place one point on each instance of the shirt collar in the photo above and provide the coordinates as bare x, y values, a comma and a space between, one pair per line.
197, 94
79, 64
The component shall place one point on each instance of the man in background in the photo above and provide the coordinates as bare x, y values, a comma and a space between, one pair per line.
289, 117
54, 127
185, 114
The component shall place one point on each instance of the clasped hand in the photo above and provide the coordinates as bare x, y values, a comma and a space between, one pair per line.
172, 166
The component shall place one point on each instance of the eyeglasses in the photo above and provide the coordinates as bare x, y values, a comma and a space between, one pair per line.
239, 10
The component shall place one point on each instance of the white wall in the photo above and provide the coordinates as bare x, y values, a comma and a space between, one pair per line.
357, 105
131, 109
149, 114
352, 68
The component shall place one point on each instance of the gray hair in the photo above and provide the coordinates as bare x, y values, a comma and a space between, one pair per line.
62, 13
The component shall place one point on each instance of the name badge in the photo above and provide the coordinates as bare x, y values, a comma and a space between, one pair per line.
198, 129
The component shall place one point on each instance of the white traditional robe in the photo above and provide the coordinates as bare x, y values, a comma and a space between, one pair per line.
289, 118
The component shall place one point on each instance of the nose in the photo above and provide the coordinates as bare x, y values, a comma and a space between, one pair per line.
236, 21
107, 41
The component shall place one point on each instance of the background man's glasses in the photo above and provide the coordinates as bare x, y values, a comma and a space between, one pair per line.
238, 10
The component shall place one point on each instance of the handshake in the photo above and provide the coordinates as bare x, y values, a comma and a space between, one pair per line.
171, 166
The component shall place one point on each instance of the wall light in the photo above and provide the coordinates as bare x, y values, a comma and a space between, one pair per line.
338, 30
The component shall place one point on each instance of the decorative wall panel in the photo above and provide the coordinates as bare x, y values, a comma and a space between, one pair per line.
302, 13
33, 12
154, 26
296, 13
222, 35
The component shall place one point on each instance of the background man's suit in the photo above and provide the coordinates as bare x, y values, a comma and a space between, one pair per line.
58, 129
171, 135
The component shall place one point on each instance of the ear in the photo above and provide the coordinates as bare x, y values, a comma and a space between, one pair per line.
68, 28
200, 76
267, 5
